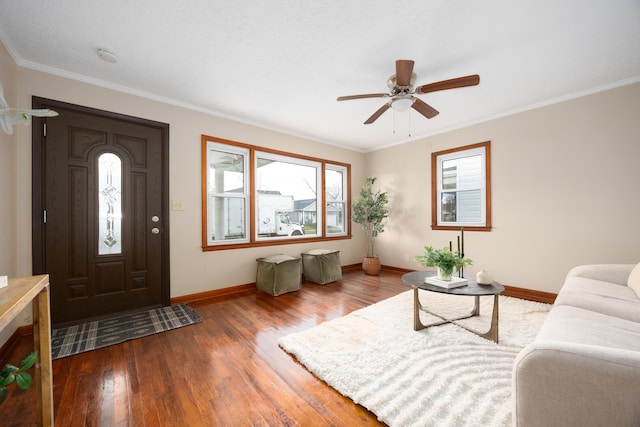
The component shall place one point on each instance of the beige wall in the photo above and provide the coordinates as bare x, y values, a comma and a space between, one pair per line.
192, 271
8, 77
565, 187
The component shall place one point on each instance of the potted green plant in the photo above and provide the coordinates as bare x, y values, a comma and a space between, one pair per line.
444, 259
369, 209
19, 374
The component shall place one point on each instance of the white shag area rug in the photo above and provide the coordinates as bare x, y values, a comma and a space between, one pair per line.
440, 376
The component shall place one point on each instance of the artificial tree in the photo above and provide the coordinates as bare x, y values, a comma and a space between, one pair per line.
369, 209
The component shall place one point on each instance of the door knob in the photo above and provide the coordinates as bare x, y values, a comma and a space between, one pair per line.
155, 230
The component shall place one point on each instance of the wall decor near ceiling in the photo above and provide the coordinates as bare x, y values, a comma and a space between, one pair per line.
12, 116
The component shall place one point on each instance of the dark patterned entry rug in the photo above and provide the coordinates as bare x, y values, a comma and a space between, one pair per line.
115, 330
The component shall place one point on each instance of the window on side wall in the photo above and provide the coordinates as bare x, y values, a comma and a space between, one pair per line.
461, 188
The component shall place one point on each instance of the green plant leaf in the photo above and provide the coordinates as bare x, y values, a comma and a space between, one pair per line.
11, 373
10, 378
28, 361
24, 380
443, 258
8, 369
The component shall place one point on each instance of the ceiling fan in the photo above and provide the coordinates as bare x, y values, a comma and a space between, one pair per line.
403, 95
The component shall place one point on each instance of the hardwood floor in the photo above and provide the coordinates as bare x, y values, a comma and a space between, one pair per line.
227, 370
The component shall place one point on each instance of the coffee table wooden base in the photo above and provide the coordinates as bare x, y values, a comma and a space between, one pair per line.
492, 334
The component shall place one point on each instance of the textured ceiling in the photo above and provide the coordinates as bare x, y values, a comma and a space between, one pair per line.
282, 64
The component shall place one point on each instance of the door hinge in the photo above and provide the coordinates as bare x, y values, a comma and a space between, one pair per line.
44, 129
44, 216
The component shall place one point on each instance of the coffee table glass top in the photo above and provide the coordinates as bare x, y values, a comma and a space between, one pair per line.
416, 279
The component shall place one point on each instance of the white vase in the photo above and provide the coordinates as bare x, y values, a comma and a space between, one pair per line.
483, 277
442, 276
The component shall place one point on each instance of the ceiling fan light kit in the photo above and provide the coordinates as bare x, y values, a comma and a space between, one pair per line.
402, 92
402, 104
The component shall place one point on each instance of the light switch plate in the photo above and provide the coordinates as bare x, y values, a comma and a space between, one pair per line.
4, 281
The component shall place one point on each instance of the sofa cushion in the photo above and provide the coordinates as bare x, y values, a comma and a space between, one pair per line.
634, 280
601, 297
582, 285
619, 308
579, 326
613, 273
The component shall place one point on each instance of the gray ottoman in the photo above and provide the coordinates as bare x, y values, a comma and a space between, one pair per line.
278, 274
321, 266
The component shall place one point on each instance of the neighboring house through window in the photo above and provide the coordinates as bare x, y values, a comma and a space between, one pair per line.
255, 196
461, 188
336, 178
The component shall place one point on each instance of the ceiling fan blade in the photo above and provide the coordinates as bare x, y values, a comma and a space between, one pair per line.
425, 109
377, 114
365, 95
471, 80
404, 69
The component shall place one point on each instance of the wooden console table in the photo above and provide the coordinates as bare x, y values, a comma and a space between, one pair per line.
13, 299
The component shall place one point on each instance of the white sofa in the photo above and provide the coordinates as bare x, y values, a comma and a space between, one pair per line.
583, 368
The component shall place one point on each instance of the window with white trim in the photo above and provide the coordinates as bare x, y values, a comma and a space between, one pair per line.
461, 188
287, 190
336, 199
227, 194
255, 196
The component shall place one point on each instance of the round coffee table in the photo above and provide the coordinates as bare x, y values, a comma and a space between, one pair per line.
415, 279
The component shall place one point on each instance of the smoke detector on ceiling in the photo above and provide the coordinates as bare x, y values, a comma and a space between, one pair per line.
107, 56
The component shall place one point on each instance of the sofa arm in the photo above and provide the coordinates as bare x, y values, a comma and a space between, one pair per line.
566, 384
612, 273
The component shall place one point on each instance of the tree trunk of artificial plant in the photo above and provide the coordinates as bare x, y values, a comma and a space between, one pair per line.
370, 241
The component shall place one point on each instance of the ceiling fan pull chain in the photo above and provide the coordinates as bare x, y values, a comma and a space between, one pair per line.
394, 122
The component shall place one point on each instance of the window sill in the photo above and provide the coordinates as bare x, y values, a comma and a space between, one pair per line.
272, 243
458, 227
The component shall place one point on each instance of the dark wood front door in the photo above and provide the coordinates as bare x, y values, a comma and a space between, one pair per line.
100, 220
